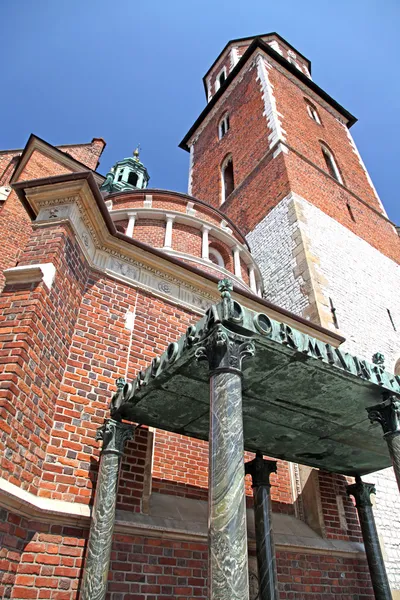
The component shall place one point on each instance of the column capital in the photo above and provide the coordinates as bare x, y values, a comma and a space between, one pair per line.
387, 413
260, 469
224, 350
169, 217
362, 492
114, 436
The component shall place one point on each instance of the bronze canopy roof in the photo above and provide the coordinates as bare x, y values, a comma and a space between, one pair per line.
303, 400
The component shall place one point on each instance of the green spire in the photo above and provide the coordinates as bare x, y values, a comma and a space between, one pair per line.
127, 174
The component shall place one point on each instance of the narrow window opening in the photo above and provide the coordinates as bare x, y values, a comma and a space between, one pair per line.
331, 164
220, 79
228, 184
313, 113
351, 212
334, 316
121, 174
132, 178
223, 126
392, 322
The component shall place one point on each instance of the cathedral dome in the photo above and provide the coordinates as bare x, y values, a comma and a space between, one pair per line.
185, 228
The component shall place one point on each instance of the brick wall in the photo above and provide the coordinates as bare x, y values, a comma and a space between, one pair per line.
35, 346
88, 154
15, 225
246, 140
261, 180
40, 560
316, 577
145, 568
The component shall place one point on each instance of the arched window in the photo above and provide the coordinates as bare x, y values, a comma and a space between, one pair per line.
312, 111
223, 126
228, 183
133, 178
330, 162
216, 257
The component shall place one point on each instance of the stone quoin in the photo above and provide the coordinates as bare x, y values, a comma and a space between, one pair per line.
122, 355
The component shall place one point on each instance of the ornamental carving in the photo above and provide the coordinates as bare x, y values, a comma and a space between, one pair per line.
225, 351
362, 492
260, 470
387, 414
114, 436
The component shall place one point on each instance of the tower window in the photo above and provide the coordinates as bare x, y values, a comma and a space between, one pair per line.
228, 184
121, 174
223, 126
221, 77
312, 111
132, 178
331, 164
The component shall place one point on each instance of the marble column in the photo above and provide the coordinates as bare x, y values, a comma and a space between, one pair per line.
387, 413
131, 224
260, 470
361, 492
236, 261
168, 231
95, 575
252, 279
204, 242
227, 531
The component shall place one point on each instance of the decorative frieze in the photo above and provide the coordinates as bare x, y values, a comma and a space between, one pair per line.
118, 264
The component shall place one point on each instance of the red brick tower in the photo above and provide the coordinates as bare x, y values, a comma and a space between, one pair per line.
269, 123
274, 152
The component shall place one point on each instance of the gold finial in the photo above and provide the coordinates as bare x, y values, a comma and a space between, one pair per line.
136, 152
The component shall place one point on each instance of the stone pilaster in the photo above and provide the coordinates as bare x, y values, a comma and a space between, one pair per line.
362, 492
114, 436
260, 471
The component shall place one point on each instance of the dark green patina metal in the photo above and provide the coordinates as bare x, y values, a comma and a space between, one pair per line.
303, 400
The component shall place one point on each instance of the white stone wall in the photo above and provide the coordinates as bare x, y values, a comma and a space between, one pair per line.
363, 284
273, 243
387, 515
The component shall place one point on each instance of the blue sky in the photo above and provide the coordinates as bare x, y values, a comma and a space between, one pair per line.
131, 72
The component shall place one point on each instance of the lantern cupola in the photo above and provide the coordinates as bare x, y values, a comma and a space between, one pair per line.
127, 174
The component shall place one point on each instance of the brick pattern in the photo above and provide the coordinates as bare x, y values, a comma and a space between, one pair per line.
156, 569
322, 577
152, 232
39, 560
15, 225
34, 349
261, 181
88, 154
331, 486
98, 355
180, 468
